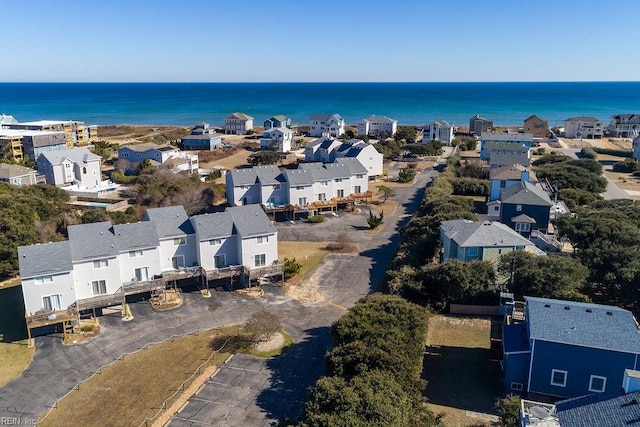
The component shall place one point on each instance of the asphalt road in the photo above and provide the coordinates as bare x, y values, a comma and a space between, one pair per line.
266, 391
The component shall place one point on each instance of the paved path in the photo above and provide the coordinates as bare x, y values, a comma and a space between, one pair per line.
56, 368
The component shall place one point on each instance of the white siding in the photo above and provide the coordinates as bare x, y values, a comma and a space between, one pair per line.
228, 248
168, 250
250, 248
149, 258
62, 284
85, 273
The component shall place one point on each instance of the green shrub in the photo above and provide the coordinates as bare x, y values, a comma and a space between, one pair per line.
588, 153
508, 410
87, 328
627, 166
470, 187
375, 220
291, 268
406, 175
315, 219
613, 152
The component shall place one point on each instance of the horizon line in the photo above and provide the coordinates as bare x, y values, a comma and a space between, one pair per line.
322, 82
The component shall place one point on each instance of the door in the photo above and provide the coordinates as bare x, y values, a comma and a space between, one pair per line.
340, 193
51, 302
142, 274
177, 262
219, 261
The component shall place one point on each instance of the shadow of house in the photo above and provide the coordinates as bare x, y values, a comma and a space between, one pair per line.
12, 321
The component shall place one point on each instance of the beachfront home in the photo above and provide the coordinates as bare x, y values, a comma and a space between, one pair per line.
504, 154
11, 146
567, 349
7, 120
583, 127
507, 176
76, 166
525, 206
489, 140
75, 132
537, 127
624, 125
17, 175
166, 155
478, 125
327, 150
31, 143
466, 240
102, 263
326, 125
438, 130
308, 184
278, 121
377, 126
238, 124
277, 139
202, 137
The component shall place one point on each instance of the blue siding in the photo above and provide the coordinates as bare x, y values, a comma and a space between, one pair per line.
516, 369
539, 213
580, 363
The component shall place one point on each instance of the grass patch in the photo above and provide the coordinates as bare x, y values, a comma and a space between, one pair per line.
459, 375
15, 355
132, 389
9, 283
307, 254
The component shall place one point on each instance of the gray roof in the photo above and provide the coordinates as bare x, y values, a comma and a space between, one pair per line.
525, 193
241, 116
482, 234
506, 136
250, 220
600, 409
44, 259
79, 156
440, 123
171, 221
244, 176
582, 119
522, 218
209, 226
12, 171
91, 241
513, 172
298, 177
477, 117
268, 174
581, 324
137, 235
354, 165
281, 118
317, 170
381, 119
324, 117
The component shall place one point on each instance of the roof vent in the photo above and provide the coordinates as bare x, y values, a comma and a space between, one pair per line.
566, 307
547, 305
588, 310
609, 313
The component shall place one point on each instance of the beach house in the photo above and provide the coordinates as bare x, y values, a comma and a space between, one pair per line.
330, 125
327, 150
438, 130
624, 125
278, 121
478, 125
101, 263
277, 139
202, 137
565, 349
238, 124
77, 166
583, 127
507, 176
17, 175
524, 207
167, 155
537, 127
378, 126
75, 132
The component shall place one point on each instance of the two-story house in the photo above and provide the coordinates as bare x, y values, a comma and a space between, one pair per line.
507, 176
565, 349
77, 166
537, 127
478, 125
277, 139
17, 175
583, 127
438, 130
624, 125
168, 155
202, 137
466, 240
492, 140
238, 124
377, 126
326, 125
278, 121
525, 206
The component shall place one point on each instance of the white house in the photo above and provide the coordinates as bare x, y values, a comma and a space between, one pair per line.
238, 124
438, 130
76, 166
636, 147
167, 155
583, 127
277, 139
326, 125
624, 125
327, 150
377, 126
101, 262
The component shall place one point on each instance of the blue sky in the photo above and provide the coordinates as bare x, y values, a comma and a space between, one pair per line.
329, 40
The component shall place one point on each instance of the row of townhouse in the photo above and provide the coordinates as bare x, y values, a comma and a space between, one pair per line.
309, 183
328, 150
506, 148
102, 260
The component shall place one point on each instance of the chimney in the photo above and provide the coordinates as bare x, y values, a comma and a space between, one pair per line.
631, 381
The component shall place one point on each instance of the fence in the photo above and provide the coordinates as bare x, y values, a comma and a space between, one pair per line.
164, 405
474, 310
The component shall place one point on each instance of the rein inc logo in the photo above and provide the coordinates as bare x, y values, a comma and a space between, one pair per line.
17, 421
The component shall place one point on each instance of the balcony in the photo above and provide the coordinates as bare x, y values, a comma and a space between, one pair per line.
51, 317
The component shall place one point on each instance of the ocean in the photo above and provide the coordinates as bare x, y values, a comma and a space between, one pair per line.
409, 103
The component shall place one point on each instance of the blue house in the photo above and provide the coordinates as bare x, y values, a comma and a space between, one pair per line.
493, 140
278, 121
524, 207
202, 138
506, 176
563, 349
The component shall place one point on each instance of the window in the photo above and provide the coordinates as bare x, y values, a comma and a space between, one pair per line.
340, 193
558, 378
503, 184
84, 170
359, 176
299, 187
523, 227
338, 179
219, 261
99, 287
142, 274
215, 242
322, 197
51, 302
276, 186
302, 201
472, 251
177, 262
43, 279
516, 386
356, 189
180, 241
597, 384
133, 254
263, 239
518, 208
101, 263
260, 260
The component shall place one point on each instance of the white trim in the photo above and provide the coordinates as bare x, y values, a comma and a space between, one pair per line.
178, 257
604, 383
533, 347
635, 363
564, 383
180, 241
517, 352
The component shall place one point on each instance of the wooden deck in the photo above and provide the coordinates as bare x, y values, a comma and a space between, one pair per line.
53, 317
